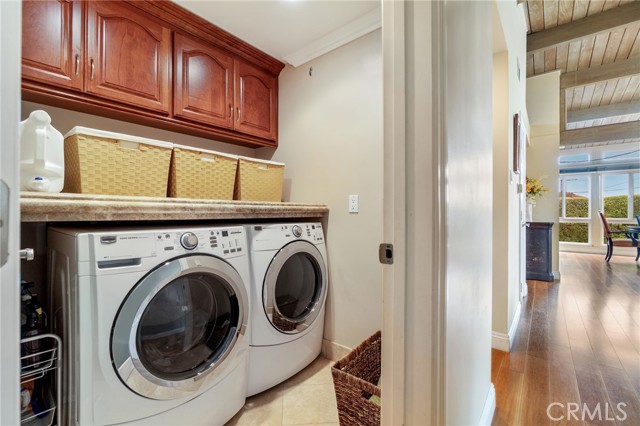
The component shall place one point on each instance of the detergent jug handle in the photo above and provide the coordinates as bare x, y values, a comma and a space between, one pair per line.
41, 139
42, 120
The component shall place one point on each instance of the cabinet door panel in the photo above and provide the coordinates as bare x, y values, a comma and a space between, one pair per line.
256, 101
51, 42
128, 56
203, 79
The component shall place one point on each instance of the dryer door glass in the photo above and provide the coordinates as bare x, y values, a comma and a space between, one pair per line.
295, 287
187, 326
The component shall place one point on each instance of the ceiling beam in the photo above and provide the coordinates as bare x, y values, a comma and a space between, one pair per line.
603, 111
585, 27
598, 73
610, 132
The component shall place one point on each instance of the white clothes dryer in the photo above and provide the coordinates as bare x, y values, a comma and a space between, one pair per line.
288, 290
154, 324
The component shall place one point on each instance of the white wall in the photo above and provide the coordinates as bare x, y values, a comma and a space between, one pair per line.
509, 99
543, 104
330, 138
469, 211
63, 120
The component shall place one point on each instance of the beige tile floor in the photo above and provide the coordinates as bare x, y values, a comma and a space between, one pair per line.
307, 398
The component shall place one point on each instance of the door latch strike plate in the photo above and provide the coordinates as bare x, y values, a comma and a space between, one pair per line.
385, 254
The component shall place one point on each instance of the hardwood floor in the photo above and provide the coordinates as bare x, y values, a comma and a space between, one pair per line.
575, 359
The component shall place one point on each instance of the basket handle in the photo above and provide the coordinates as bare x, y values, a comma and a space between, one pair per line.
262, 167
136, 146
209, 158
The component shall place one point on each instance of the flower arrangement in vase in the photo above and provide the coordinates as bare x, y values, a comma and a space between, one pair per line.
534, 189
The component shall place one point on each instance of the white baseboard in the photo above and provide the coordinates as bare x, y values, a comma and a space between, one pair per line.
556, 275
333, 351
489, 407
514, 324
502, 341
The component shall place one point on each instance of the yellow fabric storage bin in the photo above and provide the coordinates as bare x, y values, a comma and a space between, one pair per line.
101, 162
200, 173
259, 180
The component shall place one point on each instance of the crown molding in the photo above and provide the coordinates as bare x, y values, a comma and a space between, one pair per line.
359, 27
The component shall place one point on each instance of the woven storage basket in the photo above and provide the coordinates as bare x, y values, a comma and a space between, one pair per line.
199, 173
258, 180
354, 378
99, 162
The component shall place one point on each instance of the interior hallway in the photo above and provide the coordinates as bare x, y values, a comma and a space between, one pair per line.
578, 341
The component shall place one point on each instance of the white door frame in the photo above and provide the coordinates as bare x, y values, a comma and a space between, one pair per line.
413, 214
10, 27
393, 276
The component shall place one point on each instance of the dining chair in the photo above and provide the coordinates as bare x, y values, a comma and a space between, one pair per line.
629, 241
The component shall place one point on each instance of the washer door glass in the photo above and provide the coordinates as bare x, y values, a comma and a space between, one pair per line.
186, 326
179, 327
295, 287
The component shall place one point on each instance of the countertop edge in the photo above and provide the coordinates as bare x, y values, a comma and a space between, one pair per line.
36, 207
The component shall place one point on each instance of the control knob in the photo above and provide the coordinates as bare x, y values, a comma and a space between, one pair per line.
297, 231
189, 240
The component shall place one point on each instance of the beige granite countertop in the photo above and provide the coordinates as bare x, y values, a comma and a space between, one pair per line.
43, 207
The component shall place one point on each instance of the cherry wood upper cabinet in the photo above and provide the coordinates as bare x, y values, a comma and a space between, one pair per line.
256, 101
149, 62
128, 56
203, 82
52, 42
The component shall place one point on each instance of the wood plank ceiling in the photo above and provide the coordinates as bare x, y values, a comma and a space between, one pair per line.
584, 39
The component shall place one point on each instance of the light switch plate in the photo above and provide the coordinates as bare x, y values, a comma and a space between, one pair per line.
353, 204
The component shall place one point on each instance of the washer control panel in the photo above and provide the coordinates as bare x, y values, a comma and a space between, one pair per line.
137, 244
223, 242
229, 240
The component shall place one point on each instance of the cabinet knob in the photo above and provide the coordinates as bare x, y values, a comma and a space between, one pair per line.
238, 113
230, 111
93, 68
77, 64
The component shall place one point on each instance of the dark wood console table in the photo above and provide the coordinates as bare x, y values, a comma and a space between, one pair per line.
539, 254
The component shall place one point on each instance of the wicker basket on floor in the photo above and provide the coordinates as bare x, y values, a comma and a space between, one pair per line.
355, 379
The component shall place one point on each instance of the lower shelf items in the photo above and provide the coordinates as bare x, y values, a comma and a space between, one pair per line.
40, 379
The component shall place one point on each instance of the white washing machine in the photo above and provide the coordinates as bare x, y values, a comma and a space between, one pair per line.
154, 324
288, 291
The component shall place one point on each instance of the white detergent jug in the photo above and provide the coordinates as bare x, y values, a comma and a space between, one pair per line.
41, 154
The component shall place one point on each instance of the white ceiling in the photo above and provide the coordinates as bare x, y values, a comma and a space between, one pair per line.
292, 31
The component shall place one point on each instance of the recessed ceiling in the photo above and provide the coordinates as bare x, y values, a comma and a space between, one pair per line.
284, 28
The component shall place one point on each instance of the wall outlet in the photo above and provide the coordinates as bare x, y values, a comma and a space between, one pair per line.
353, 204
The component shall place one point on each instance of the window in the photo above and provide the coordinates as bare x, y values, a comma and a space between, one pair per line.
569, 160
575, 196
620, 196
605, 178
622, 156
615, 195
636, 194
